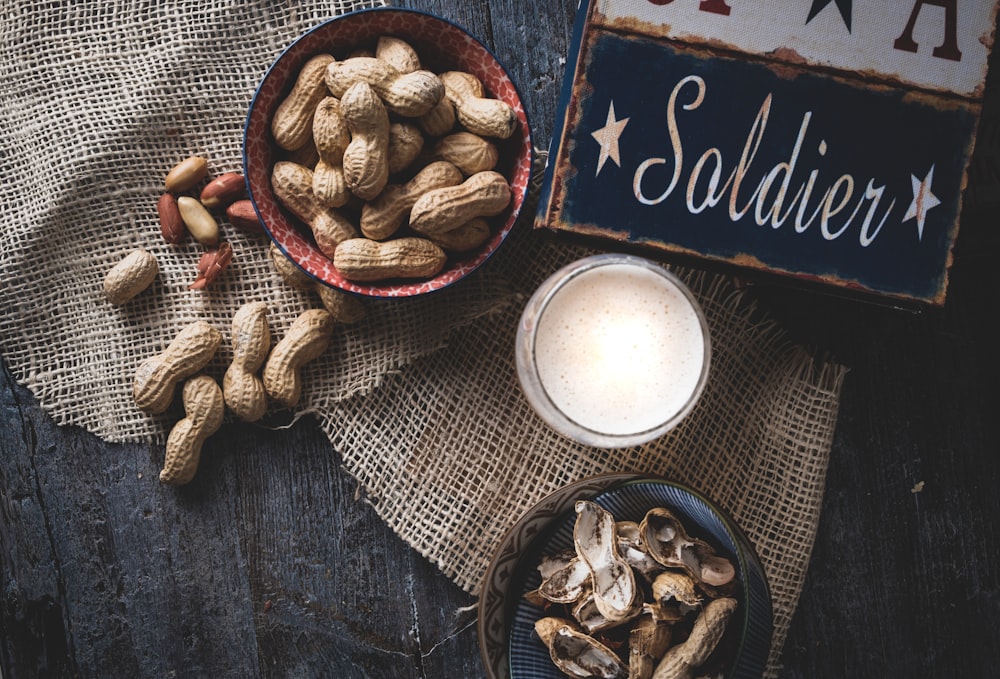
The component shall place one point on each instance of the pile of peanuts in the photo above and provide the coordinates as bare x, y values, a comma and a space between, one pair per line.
259, 374
181, 214
635, 599
391, 166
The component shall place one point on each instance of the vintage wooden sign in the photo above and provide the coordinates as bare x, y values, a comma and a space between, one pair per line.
827, 140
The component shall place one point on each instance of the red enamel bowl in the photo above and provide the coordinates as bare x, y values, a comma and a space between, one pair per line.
442, 45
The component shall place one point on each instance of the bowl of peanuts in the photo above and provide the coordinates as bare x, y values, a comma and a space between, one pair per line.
387, 152
625, 575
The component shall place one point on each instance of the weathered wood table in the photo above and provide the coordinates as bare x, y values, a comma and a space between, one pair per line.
284, 571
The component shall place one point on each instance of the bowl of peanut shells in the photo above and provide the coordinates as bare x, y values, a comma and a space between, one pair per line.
387, 152
624, 576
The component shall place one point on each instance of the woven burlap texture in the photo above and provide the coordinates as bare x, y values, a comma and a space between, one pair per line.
420, 399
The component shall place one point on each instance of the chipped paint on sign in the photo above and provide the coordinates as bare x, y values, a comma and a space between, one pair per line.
766, 164
940, 45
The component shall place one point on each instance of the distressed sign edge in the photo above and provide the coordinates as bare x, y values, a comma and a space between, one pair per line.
559, 169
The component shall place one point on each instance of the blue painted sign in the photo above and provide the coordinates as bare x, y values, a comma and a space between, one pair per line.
779, 164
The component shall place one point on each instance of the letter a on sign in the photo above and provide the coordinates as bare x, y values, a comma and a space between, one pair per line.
949, 48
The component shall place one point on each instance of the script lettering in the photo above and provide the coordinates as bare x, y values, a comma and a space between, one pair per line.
774, 197
675, 142
786, 170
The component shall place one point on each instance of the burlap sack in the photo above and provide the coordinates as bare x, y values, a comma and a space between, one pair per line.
420, 399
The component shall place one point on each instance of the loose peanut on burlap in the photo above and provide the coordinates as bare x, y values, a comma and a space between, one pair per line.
242, 389
157, 377
242, 215
133, 274
204, 410
225, 189
171, 225
186, 174
211, 264
198, 220
306, 340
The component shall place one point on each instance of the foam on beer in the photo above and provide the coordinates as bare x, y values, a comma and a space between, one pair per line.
619, 349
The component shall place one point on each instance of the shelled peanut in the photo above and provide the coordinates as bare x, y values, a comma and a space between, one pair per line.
364, 144
184, 210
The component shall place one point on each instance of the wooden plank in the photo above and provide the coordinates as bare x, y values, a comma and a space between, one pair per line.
266, 564
530, 39
33, 626
900, 581
269, 566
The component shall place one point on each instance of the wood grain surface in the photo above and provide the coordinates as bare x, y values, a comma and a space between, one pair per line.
271, 564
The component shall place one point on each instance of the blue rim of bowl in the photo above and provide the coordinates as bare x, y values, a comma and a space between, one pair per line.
612, 483
503, 66
749, 564
495, 603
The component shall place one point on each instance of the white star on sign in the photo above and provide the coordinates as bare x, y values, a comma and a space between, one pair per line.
923, 200
607, 137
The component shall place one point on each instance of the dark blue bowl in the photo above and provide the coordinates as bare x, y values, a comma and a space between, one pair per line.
508, 643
